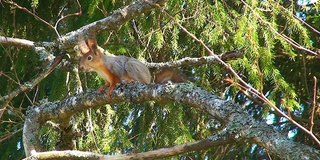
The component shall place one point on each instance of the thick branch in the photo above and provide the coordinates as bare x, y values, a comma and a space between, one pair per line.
239, 125
16, 42
112, 22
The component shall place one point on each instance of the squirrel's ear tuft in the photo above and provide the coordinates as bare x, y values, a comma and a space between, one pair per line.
92, 44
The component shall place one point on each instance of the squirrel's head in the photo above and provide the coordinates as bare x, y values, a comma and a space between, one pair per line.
91, 59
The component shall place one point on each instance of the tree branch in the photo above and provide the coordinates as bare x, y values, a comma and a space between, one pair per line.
29, 85
37, 46
112, 22
239, 125
16, 42
197, 61
155, 154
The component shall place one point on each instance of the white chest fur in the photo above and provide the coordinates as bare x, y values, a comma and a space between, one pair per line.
103, 75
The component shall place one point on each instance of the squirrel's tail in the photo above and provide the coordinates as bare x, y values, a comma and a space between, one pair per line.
166, 75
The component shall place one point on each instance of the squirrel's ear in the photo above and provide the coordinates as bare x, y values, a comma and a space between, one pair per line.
82, 46
92, 43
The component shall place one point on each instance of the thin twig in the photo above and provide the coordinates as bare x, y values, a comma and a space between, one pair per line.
34, 82
308, 25
11, 122
3, 138
69, 15
197, 61
314, 103
26, 10
8, 77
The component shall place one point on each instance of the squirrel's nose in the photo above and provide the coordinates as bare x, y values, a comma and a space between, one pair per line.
82, 67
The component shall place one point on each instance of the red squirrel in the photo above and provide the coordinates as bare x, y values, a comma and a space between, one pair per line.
116, 69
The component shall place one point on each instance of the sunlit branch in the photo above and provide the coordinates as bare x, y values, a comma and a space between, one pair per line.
16, 42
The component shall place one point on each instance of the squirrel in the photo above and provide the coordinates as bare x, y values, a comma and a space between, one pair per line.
116, 69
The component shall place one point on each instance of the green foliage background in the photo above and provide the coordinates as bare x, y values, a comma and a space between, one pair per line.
270, 64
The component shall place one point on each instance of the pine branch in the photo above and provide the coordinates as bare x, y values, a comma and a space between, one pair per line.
29, 85
248, 87
284, 37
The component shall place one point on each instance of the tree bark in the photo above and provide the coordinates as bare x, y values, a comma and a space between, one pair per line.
239, 125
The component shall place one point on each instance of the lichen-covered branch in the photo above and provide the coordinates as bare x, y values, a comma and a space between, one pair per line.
240, 126
182, 62
197, 61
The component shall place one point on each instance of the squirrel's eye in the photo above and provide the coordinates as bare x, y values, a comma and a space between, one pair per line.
89, 58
